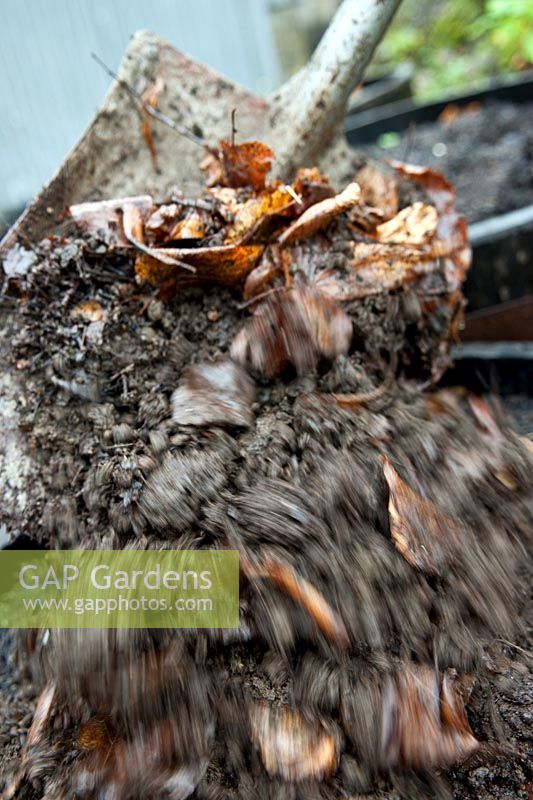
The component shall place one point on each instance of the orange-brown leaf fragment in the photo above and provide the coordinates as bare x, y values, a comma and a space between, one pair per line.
89, 310
415, 225
379, 188
437, 187
253, 213
285, 578
150, 98
311, 186
296, 326
133, 222
318, 216
424, 723
227, 265
236, 165
214, 394
171, 221
452, 230
423, 534
290, 746
41, 715
192, 226
103, 220
95, 735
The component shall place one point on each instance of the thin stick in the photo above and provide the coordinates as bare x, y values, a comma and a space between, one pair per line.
233, 128
153, 112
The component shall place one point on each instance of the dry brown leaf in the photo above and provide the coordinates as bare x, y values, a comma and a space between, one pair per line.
89, 311
150, 98
133, 222
311, 186
163, 219
423, 534
290, 746
103, 218
424, 724
214, 394
192, 226
236, 165
253, 213
484, 416
527, 442
148, 764
269, 267
285, 578
41, 715
379, 188
506, 478
227, 265
95, 734
436, 186
414, 225
452, 229
318, 216
295, 326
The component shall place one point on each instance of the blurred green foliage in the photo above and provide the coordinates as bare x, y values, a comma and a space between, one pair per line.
457, 44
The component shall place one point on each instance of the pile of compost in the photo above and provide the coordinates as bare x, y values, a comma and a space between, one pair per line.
485, 149
287, 412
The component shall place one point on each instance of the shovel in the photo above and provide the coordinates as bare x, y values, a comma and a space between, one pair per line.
302, 122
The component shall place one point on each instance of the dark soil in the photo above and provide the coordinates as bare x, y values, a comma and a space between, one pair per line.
488, 154
304, 485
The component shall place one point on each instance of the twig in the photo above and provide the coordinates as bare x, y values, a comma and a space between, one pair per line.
153, 112
233, 128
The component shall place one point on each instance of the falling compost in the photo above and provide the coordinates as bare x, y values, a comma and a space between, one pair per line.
255, 368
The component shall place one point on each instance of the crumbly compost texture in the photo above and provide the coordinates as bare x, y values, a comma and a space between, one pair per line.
382, 528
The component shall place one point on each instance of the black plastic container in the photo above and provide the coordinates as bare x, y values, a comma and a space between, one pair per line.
365, 126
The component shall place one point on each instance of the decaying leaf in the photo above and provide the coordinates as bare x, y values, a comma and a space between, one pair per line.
192, 226
318, 216
494, 440
36, 732
227, 265
414, 224
103, 218
424, 723
174, 221
89, 311
451, 229
423, 534
253, 213
41, 715
96, 735
434, 183
311, 186
296, 326
285, 578
290, 746
214, 394
269, 267
484, 416
150, 98
163, 219
379, 188
235, 165
132, 220
147, 765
